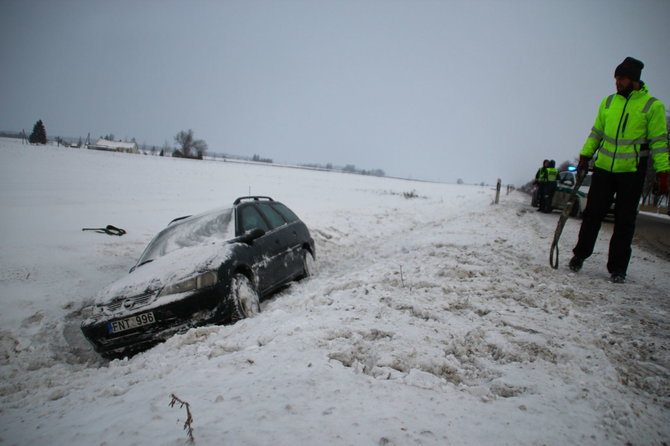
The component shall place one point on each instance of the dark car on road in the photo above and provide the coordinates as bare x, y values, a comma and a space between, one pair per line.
214, 267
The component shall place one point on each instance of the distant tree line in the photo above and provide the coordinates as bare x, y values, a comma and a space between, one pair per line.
17, 135
258, 159
187, 147
349, 168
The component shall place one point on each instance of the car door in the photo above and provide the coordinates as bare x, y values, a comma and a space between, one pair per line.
286, 237
268, 255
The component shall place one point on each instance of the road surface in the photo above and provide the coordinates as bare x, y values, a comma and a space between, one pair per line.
653, 232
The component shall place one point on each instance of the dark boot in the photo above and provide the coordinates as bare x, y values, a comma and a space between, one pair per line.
576, 263
618, 278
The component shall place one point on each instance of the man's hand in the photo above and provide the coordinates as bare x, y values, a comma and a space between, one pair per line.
662, 181
583, 166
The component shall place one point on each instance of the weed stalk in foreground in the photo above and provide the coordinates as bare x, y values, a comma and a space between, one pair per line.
188, 424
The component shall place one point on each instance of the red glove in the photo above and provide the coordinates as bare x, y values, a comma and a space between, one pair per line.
584, 162
662, 179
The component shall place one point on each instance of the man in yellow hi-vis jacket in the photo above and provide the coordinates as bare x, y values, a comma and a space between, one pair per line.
630, 128
541, 184
552, 178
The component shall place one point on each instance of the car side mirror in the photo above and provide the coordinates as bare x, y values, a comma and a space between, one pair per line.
251, 235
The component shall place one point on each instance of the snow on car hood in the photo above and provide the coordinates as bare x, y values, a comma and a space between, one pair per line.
177, 265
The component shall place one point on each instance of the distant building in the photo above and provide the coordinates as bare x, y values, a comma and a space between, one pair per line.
114, 146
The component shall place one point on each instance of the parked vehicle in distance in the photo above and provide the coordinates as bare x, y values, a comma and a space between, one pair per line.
564, 185
214, 267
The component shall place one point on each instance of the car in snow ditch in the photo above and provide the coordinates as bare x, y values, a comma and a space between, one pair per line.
214, 267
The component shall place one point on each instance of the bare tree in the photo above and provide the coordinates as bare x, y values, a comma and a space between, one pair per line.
189, 147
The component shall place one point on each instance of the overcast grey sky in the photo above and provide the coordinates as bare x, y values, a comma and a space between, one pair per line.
435, 90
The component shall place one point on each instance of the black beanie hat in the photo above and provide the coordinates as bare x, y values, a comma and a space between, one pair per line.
630, 68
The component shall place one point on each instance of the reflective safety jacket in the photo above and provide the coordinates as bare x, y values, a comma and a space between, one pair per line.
541, 175
552, 174
627, 130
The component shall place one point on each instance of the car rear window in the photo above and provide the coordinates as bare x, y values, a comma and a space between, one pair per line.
285, 212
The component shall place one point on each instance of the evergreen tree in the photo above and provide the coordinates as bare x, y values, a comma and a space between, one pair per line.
39, 134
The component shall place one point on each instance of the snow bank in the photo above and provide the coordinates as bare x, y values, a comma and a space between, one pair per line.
434, 320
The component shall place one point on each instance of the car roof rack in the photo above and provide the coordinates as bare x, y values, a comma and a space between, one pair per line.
252, 198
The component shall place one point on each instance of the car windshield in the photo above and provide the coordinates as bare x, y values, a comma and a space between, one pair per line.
569, 179
191, 231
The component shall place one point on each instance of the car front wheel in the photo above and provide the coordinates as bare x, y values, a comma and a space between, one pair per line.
245, 301
308, 264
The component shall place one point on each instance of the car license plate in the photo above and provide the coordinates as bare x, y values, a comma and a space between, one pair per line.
131, 322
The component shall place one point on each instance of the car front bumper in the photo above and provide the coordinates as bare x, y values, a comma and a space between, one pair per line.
199, 308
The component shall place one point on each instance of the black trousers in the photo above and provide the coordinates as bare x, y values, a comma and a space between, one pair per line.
549, 190
604, 186
542, 195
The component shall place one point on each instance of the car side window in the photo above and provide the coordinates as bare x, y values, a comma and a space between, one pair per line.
250, 219
285, 212
275, 219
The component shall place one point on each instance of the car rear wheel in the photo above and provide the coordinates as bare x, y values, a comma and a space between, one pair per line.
245, 301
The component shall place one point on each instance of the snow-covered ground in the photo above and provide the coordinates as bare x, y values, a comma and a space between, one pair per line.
433, 320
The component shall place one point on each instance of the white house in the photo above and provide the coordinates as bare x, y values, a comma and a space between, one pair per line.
114, 146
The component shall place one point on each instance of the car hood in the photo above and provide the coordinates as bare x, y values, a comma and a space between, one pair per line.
171, 268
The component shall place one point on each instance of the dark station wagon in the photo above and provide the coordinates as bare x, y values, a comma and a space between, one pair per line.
214, 267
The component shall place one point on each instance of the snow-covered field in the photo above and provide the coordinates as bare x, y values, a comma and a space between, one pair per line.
433, 320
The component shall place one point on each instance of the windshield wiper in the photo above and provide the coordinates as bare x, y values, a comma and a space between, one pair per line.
140, 264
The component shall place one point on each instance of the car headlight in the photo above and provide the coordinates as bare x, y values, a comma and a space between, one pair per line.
194, 283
